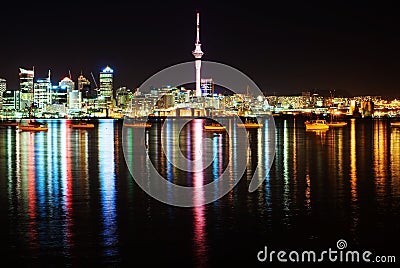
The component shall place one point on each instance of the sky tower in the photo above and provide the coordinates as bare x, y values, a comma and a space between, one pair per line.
197, 53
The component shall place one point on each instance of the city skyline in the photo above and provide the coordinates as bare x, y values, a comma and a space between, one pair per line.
285, 48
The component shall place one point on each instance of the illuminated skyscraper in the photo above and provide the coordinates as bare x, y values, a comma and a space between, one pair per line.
74, 96
83, 83
197, 53
11, 100
26, 87
3, 88
106, 82
67, 83
41, 93
207, 87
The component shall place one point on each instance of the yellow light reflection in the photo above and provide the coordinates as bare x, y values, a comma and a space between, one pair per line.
294, 148
380, 155
395, 161
353, 172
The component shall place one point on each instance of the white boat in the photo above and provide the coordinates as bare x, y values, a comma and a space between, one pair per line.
316, 125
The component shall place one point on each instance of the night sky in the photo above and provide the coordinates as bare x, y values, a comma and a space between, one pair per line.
285, 47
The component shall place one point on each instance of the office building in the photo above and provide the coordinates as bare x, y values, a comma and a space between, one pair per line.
3, 88
26, 88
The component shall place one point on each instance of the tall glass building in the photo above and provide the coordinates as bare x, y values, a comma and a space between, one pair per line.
26, 87
207, 85
41, 95
3, 88
106, 82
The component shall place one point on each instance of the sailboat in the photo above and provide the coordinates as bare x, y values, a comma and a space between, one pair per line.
32, 125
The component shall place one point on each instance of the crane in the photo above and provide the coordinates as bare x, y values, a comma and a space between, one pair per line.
94, 80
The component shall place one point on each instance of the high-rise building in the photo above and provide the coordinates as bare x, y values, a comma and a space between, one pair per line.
106, 82
83, 83
123, 96
67, 83
41, 92
3, 88
84, 86
75, 100
26, 87
207, 87
11, 100
59, 95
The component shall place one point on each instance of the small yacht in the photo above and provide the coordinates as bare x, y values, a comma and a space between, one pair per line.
250, 123
82, 125
215, 127
33, 126
145, 125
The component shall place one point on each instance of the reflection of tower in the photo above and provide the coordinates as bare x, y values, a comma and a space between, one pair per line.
197, 53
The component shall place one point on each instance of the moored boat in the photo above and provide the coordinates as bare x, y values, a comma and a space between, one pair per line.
82, 125
215, 127
33, 126
138, 125
250, 123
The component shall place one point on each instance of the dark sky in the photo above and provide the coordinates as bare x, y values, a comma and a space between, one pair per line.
285, 47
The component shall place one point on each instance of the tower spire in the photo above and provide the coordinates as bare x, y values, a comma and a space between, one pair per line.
198, 29
197, 53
